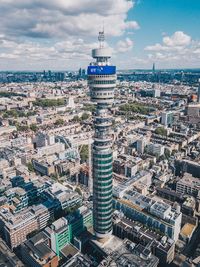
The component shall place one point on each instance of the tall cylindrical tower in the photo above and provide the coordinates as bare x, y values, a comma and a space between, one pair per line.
102, 81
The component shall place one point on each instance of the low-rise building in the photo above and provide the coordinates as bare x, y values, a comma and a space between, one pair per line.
43, 167
43, 215
122, 253
17, 198
16, 227
155, 214
188, 185
59, 235
63, 231
155, 149
63, 197
35, 252
161, 246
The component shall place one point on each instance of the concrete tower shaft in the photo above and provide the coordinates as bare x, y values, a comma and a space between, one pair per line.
102, 82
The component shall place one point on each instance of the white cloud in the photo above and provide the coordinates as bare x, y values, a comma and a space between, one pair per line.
124, 46
59, 18
176, 42
176, 49
73, 48
179, 38
35, 31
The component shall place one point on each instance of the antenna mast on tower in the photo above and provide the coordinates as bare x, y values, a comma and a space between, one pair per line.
101, 38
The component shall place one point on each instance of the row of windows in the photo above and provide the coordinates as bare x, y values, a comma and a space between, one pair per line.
103, 225
103, 183
106, 194
100, 189
103, 209
102, 121
109, 203
102, 161
100, 94
101, 76
102, 99
98, 178
103, 217
103, 222
102, 156
102, 173
104, 230
106, 89
102, 200
98, 172
102, 167
102, 82
100, 142
105, 212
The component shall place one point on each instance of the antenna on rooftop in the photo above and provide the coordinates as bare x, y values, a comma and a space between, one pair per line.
101, 37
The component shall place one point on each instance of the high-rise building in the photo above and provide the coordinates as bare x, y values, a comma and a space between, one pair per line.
153, 68
198, 93
102, 81
167, 118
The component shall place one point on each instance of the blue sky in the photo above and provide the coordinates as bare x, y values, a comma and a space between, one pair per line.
165, 16
158, 18
59, 35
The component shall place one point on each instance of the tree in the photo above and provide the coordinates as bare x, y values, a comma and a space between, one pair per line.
113, 123
59, 122
167, 153
84, 153
89, 107
76, 118
33, 127
85, 116
30, 166
78, 190
22, 128
9, 94
161, 131
136, 108
49, 102
54, 176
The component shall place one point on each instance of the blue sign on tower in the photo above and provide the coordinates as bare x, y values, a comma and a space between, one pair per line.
101, 70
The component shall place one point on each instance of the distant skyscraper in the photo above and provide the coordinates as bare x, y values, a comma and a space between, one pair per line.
80, 72
102, 81
153, 69
198, 93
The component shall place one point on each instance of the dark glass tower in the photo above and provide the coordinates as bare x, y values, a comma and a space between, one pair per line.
102, 82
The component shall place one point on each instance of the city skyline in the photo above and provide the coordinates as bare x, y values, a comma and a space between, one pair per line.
59, 35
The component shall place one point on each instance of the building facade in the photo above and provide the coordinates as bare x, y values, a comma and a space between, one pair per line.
188, 185
35, 252
15, 228
156, 215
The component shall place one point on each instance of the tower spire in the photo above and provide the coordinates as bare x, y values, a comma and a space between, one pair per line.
101, 38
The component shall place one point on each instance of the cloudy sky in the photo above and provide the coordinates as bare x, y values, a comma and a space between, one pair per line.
59, 34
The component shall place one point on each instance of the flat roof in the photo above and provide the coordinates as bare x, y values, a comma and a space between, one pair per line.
69, 251
188, 229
